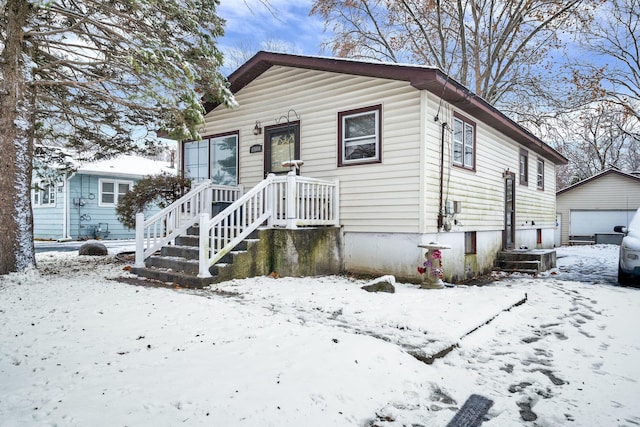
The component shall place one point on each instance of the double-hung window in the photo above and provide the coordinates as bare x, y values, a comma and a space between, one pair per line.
110, 191
360, 136
464, 143
540, 174
44, 194
524, 167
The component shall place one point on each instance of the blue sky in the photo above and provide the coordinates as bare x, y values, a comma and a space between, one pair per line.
252, 24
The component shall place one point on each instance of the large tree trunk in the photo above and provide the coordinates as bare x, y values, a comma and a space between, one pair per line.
16, 147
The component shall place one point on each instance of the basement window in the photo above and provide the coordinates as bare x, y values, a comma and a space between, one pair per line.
470, 242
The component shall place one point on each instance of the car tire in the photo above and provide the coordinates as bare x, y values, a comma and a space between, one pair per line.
623, 278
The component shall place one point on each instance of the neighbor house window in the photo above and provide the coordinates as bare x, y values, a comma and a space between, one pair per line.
464, 143
540, 174
524, 167
470, 242
112, 190
44, 194
360, 136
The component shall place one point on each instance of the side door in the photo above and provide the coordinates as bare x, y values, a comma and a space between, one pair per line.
509, 233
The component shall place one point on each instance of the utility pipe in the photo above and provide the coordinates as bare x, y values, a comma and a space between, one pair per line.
440, 208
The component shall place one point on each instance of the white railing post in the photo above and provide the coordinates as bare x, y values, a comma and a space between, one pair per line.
203, 257
270, 200
139, 241
292, 200
208, 201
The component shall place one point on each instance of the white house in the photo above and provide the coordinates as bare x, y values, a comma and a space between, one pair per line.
419, 158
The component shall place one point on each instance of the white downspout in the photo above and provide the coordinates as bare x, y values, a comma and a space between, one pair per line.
67, 209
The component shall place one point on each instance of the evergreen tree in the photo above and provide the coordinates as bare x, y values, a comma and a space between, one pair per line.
92, 76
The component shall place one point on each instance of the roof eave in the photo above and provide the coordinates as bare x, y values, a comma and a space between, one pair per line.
422, 78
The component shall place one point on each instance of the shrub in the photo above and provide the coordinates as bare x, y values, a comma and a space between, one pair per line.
157, 190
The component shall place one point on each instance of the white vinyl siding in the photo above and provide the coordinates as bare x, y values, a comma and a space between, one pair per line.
400, 193
373, 197
481, 192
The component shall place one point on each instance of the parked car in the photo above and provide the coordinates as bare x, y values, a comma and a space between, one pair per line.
629, 260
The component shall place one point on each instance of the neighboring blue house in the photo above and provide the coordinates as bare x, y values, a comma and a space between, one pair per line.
82, 205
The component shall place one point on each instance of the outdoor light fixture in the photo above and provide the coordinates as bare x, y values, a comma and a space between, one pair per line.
257, 129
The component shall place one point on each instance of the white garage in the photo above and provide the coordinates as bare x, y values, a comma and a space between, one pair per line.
596, 205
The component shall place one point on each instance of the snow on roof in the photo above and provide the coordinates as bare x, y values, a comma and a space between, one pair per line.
129, 166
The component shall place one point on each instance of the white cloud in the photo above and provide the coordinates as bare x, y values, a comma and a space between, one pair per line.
257, 23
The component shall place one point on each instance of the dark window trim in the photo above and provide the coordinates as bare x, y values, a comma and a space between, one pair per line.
468, 121
215, 135
267, 147
341, 115
523, 153
540, 161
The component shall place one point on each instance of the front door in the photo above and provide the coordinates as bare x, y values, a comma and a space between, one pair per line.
509, 236
282, 144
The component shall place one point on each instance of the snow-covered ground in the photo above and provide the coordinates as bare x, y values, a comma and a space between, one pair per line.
80, 347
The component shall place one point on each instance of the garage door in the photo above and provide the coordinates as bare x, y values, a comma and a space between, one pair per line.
587, 223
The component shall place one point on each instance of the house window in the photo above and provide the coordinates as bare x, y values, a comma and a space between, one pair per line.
44, 194
524, 167
214, 158
540, 174
112, 190
470, 242
539, 236
464, 143
360, 136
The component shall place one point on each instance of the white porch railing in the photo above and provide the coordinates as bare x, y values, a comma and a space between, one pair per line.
301, 201
170, 222
290, 202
